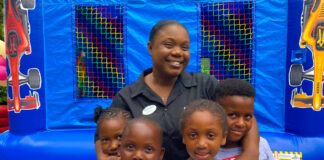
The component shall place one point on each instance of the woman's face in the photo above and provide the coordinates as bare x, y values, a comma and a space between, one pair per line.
170, 50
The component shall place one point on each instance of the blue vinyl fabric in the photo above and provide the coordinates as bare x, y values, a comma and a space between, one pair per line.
271, 76
64, 111
64, 124
49, 145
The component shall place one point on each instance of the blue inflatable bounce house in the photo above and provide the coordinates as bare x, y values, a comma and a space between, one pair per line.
65, 57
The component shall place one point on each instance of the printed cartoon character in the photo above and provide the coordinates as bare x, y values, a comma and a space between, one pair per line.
17, 32
312, 37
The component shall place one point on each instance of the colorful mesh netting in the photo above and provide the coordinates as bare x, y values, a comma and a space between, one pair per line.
99, 50
227, 40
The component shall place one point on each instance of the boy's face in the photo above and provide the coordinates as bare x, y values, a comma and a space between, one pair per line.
141, 141
203, 135
239, 110
110, 132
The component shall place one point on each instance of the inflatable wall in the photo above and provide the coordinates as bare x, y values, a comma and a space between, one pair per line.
64, 57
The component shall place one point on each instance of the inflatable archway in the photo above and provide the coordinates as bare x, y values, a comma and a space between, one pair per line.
66, 56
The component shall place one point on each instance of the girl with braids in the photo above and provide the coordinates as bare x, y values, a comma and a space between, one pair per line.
110, 126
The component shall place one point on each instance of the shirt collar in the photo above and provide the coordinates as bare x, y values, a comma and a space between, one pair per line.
139, 86
187, 79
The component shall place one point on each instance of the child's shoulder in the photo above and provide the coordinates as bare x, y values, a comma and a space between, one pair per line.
263, 141
265, 150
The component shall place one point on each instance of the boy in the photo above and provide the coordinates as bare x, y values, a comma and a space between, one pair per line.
142, 139
237, 98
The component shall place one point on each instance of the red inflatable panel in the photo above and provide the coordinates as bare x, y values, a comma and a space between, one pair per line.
4, 124
3, 111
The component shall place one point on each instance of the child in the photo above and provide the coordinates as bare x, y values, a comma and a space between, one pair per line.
142, 140
237, 98
203, 127
110, 126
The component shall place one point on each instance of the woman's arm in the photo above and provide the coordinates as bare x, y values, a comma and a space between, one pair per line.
250, 143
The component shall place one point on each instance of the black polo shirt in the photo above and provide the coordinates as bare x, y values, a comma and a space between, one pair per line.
188, 87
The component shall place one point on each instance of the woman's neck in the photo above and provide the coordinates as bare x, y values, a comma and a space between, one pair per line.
162, 80
161, 85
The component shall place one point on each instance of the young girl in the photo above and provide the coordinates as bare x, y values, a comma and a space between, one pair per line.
204, 127
110, 126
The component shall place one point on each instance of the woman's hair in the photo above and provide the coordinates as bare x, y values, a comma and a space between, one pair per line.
162, 24
204, 105
234, 87
108, 113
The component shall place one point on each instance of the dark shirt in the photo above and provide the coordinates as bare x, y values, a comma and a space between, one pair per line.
188, 87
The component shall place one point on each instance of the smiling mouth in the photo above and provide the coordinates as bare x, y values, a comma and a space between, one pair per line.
238, 133
202, 155
175, 64
113, 154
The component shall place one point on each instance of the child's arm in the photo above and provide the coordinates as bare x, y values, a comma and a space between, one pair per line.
250, 143
98, 150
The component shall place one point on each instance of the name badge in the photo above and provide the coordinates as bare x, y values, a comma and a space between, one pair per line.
149, 110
